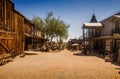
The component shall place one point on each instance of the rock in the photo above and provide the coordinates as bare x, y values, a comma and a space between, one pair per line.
107, 59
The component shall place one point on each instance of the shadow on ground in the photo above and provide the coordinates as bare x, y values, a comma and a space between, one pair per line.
117, 64
31, 54
90, 54
117, 68
80, 54
96, 55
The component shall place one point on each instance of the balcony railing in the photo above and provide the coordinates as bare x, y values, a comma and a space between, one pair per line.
93, 35
114, 31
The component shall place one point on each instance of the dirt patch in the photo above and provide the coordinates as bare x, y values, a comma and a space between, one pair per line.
62, 65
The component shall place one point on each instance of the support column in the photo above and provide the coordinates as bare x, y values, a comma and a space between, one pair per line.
115, 51
83, 38
31, 43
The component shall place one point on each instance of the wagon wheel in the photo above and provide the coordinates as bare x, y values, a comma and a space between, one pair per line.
2, 62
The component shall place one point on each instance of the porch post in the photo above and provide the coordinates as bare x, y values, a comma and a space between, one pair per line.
83, 38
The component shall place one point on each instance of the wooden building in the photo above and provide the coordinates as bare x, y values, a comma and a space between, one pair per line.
32, 38
91, 30
9, 29
17, 33
107, 40
74, 44
110, 35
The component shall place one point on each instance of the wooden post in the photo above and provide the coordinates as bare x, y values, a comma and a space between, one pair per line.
83, 38
115, 51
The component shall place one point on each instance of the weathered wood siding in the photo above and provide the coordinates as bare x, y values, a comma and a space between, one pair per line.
107, 28
15, 30
11, 29
7, 30
19, 32
27, 27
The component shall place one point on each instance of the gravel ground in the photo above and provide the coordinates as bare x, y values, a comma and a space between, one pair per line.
59, 65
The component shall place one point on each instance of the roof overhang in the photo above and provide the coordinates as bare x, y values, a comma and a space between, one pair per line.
117, 16
104, 37
35, 36
114, 18
92, 25
115, 36
27, 35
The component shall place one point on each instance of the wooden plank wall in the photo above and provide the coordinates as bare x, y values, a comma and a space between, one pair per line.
6, 28
11, 28
13, 25
19, 34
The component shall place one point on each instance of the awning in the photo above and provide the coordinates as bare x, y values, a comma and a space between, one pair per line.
74, 44
39, 37
108, 37
28, 35
104, 37
92, 25
35, 36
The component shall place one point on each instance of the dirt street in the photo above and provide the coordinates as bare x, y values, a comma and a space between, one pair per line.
60, 65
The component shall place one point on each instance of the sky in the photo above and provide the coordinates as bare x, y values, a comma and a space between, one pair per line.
72, 12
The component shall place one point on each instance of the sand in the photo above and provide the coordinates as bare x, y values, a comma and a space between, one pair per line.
59, 65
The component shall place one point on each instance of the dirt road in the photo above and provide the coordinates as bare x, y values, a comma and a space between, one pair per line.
60, 65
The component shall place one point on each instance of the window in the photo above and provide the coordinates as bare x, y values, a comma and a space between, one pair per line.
117, 26
1, 12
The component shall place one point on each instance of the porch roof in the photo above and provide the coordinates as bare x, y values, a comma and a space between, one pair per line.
108, 37
28, 35
104, 37
92, 25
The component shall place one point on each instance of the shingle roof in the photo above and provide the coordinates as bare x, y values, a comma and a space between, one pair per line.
93, 19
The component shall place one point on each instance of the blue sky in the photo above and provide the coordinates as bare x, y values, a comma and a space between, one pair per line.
73, 12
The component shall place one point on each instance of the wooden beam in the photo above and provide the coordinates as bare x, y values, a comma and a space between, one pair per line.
2, 31
6, 55
6, 38
7, 49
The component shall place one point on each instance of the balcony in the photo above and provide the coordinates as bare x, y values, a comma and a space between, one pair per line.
94, 34
115, 31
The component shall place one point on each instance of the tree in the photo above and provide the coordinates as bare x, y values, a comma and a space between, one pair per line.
55, 28
51, 27
38, 23
62, 32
